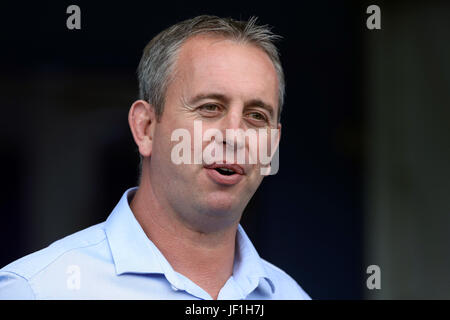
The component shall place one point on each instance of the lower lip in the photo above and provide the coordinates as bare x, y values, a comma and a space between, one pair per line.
222, 179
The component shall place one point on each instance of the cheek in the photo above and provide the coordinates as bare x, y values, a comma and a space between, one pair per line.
256, 176
168, 128
165, 149
161, 142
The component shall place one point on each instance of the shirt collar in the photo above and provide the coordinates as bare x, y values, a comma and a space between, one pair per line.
134, 252
131, 249
248, 265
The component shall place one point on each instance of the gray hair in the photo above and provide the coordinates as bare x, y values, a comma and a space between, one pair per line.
155, 69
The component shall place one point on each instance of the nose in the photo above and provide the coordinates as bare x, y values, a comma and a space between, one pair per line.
233, 119
234, 124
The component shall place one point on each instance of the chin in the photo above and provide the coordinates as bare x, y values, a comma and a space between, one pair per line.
222, 204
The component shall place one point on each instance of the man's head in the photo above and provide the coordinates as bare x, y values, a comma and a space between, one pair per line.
156, 68
224, 74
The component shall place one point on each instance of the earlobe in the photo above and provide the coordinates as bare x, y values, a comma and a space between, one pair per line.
141, 119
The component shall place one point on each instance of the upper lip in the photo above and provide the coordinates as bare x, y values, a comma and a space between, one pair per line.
235, 167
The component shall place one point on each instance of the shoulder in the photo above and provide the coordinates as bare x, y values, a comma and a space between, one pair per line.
30, 265
15, 277
286, 287
14, 287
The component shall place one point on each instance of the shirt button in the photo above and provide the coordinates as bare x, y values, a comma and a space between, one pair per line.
174, 288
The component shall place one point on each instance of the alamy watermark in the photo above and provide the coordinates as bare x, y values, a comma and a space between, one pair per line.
374, 280
262, 147
73, 281
373, 22
74, 20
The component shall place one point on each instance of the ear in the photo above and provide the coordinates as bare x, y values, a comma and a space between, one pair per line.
142, 120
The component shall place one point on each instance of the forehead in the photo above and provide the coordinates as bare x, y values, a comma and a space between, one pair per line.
211, 63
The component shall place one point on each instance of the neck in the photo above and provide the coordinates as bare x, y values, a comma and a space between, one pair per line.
205, 258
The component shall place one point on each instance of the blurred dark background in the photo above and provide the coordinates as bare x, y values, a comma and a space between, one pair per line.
364, 156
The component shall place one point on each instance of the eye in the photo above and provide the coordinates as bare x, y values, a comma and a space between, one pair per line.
209, 110
210, 107
257, 116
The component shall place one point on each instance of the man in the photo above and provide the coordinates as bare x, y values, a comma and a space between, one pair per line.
178, 236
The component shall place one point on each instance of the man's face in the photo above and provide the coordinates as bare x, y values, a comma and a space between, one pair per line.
225, 85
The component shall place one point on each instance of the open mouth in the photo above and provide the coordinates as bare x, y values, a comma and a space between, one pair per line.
225, 171
225, 174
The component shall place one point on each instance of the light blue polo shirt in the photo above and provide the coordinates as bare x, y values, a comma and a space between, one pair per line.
116, 260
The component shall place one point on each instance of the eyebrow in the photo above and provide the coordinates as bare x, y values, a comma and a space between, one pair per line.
203, 96
261, 104
221, 97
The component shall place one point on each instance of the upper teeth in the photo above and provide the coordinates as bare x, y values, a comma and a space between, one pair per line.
226, 169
